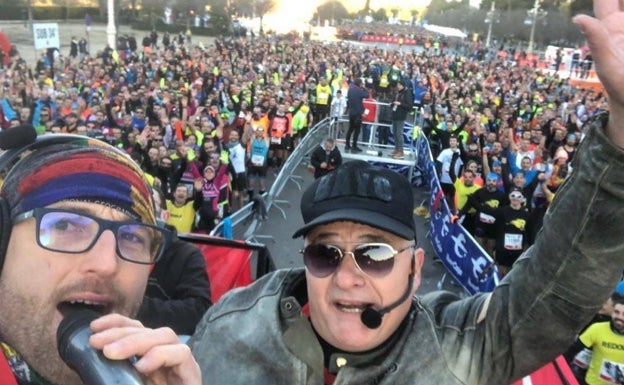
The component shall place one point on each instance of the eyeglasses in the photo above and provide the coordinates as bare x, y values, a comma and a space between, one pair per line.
73, 232
516, 196
373, 259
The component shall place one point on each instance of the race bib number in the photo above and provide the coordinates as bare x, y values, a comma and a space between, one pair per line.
485, 218
383, 81
612, 372
275, 140
583, 358
257, 160
513, 241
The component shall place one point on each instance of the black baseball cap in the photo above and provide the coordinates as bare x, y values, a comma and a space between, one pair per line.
359, 192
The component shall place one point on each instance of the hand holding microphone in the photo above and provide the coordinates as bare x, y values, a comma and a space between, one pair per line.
94, 368
114, 340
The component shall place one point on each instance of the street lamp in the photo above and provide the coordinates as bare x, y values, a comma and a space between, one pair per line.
30, 15
111, 31
534, 14
489, 20
190, 18
261, 14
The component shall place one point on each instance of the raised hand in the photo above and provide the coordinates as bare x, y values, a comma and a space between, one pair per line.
605, 35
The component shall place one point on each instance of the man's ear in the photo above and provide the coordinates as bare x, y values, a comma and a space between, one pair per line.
418, 258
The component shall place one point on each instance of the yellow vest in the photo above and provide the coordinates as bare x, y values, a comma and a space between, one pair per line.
182, 218
322, 94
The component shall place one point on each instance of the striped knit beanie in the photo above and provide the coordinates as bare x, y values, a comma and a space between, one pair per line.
82, 170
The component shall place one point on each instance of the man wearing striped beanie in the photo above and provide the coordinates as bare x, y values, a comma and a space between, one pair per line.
79, 233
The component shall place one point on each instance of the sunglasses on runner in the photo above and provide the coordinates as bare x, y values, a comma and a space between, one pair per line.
373, 259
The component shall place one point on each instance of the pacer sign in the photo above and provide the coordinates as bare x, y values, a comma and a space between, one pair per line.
46, 35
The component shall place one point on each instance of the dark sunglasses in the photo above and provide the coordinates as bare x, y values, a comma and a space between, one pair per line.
373, 259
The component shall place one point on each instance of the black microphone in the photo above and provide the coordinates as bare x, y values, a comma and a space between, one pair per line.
371, 318
94, 368
17, 137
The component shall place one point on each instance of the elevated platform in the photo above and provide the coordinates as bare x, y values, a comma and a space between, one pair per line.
379, 153
372, 151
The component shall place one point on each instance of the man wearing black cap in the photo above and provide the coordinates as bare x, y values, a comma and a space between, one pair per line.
350, 316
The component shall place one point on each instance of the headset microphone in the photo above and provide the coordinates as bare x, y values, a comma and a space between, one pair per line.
371, 318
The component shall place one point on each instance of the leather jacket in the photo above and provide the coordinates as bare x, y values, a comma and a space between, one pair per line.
258, 334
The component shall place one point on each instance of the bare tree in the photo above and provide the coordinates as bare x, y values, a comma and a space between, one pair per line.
414, 13
262, 8
332, 10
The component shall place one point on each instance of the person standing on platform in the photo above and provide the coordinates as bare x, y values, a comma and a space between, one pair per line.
401, 107
355, 108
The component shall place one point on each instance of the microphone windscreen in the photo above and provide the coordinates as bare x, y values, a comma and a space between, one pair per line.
17, 136
371, 318
69, 325
91, 365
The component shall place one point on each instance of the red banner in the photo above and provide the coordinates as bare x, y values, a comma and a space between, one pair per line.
557, 372
388, 39
227, 268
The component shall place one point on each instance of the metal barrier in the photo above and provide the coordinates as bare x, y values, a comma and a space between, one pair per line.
246, 220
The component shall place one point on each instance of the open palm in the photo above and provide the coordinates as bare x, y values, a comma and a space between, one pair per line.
605, 35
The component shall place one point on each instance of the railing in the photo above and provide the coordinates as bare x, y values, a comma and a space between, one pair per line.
473, 268
246, 220
373, 124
